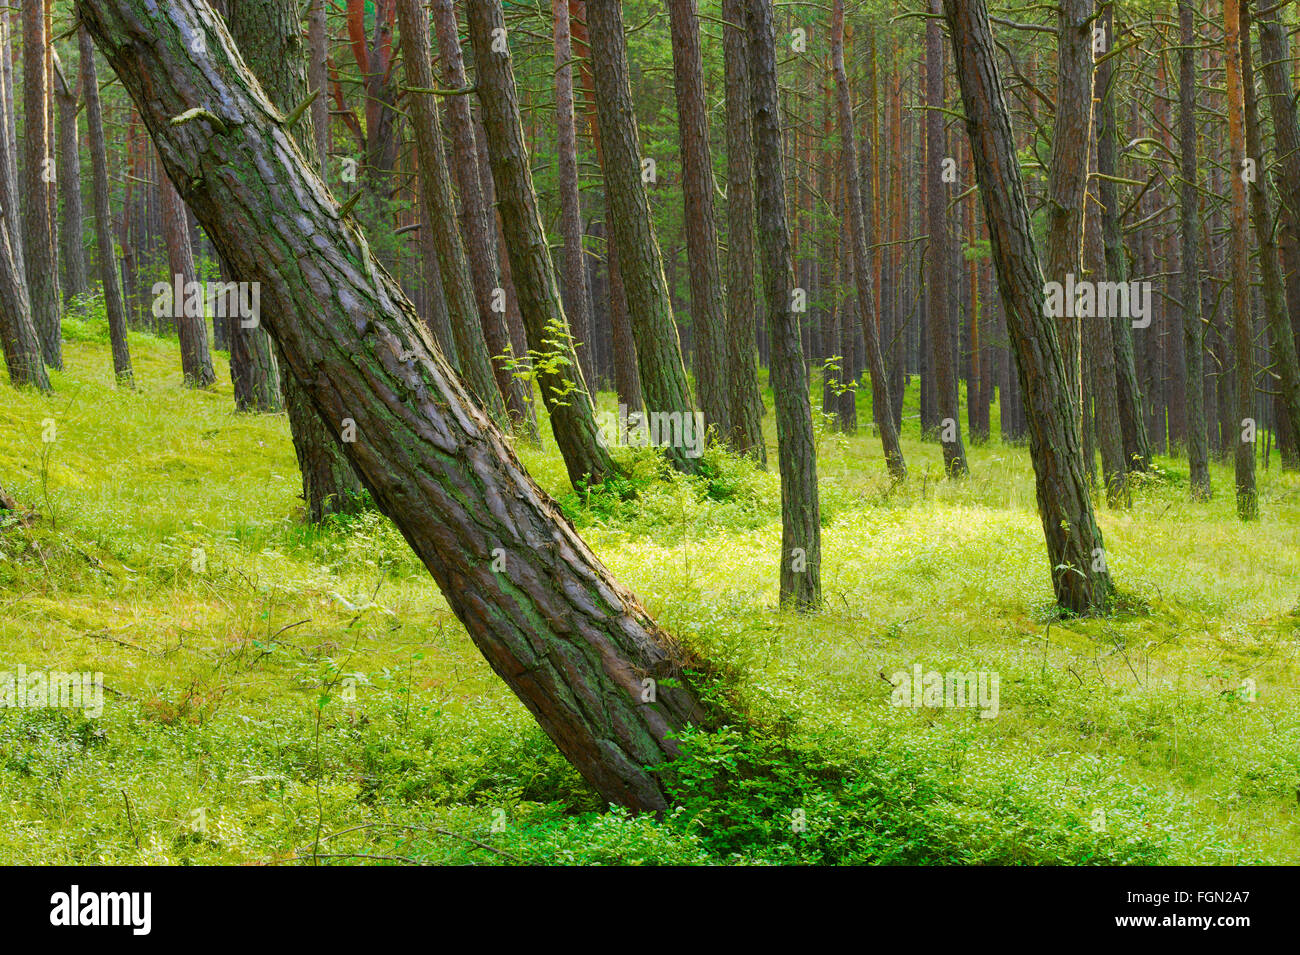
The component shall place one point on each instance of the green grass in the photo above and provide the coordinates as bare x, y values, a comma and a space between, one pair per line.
272, 685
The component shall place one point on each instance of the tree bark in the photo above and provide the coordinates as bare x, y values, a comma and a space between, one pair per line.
1074, 544
796, 448
271, 43
114, 306
564, 390
860, 269
1242, 319
659, 351
38, 164
319, 78
72, 256
435, 186
565, 636
22, 346
743, 399
708, 317
191, 329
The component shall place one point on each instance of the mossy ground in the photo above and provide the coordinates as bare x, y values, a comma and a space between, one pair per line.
276, 691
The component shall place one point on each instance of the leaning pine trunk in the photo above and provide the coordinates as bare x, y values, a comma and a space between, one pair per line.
569, 640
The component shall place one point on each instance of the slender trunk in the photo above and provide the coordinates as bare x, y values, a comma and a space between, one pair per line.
38, 171
659, 352
569, 640
319, 79
1076, 556
708, 318
1242, 319
796, 448
743, 399
564, 392
435, 188
72, 256
114, 306
866, 306
191, 322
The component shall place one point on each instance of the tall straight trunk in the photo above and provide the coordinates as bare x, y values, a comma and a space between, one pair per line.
708, 317
1275, 58
658, 349
72, 256
1099, 350
271, 43
22, 346
1067, 176
9, 150
319, 78
627, 374
938, 259
191, 323
564, 392
1285, 362
254, 373
114, 306
743, 399
477, 221
435, 188
796, 449
1242, 319
861, 269
38, 165
1076, 556
1198, 454
1137, 446
577, 299
569, 640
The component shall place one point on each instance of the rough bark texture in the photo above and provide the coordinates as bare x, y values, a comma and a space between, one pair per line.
191, 329
114, 306
939, 337
22, 346
271, 44
565, 636
476, 219
801, 547
38, 228
577, 299
435, 186
1137, 445
318, 76
707, 314
1285, 365
659, 352
1074, 545
860, 269
564, 391
743, 400
9, 151
1067, 176
1198, 452
72, 257
1242, 319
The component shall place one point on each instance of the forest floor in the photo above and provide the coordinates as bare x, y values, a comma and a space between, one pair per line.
279, 693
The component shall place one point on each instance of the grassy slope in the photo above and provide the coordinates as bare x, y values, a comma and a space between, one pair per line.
287, 684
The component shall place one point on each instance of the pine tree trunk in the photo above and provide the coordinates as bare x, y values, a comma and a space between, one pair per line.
114, 306
191, 323
271, 43
72, 256
1242, 318
938, 259
38, 167
1076, 556
796, 448
658, 349
566, 637
743, 399
861, 271
708, 317
435, 187
319, 78
564, 391
9, 151
22, 346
